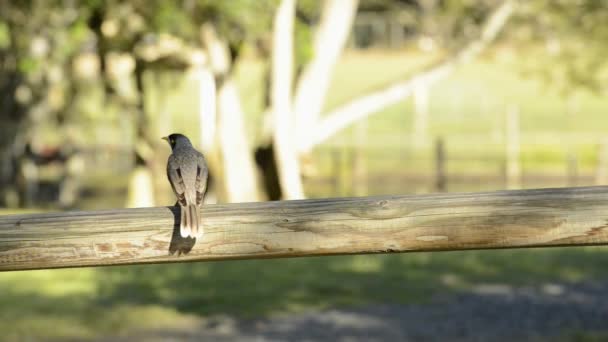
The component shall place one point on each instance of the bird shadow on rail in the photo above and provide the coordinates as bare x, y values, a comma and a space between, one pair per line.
180, 245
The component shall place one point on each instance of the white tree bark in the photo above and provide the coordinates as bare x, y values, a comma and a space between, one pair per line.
208, 124
282, 71
141, 188
330, 38
207, 108
238, 165
239, 175
362, 107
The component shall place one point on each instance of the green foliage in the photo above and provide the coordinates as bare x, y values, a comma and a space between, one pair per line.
5, 39
28, 65
303, 43
573, 35
307, 13
45, 37
449, 23
240, 19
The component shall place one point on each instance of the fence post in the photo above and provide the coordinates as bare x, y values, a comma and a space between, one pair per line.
341, 173
346, 172
572, 169
359, 160
513, 168
601, 173
440, 177
336, 157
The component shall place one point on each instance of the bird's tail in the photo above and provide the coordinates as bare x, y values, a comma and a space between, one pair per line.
190, 223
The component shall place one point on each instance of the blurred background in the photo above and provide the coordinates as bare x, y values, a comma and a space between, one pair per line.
301, 99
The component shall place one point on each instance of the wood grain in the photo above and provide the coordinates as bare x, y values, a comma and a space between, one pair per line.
386, 224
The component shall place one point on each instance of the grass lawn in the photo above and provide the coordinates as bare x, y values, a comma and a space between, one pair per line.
81, 303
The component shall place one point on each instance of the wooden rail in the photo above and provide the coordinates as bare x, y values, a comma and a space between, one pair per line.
386, 224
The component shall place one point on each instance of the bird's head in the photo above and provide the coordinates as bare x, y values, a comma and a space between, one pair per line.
176, 140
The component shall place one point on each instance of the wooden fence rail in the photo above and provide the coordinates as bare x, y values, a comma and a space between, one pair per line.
386, 224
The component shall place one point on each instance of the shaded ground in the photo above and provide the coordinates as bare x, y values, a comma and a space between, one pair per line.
551, 312
431, 295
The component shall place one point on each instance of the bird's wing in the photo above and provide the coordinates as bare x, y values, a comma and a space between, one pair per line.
177, 181
202, 173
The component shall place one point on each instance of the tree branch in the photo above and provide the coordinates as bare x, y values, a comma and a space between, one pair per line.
282, 71
331, 35
364, 106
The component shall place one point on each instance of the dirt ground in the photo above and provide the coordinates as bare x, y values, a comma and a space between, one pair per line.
562, 312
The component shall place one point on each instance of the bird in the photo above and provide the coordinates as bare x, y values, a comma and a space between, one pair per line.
188, 173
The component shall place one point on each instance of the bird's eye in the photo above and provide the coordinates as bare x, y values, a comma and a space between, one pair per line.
172, 141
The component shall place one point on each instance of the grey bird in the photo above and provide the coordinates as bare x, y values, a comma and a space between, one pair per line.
187, 172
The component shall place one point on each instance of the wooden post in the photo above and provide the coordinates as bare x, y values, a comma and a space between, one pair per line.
360, 160
440, 159
572, 169
502, 171
381, 224
346, 173
601, 173
341, 172
336, 156
513, 148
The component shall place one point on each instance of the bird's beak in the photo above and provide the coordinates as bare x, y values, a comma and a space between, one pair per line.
165, 139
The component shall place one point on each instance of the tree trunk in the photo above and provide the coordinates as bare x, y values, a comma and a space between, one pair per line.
207, 111
238, 177
266, 161
284, 129
141, 181
207, 108
331, 35
240, 181
12, 115
140, 193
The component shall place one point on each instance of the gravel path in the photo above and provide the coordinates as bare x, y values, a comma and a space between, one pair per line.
487, 313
